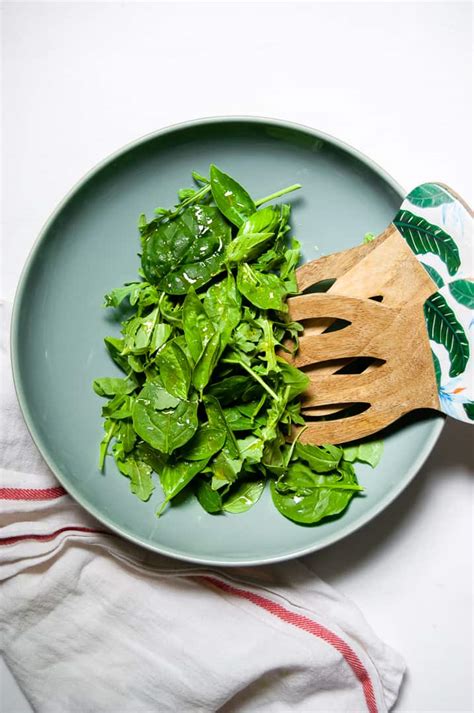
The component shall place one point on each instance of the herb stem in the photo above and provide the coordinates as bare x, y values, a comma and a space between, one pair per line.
282, 192
105, 444
295, 441
250, 371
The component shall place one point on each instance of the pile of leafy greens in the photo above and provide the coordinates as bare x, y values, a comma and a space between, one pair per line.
206, 401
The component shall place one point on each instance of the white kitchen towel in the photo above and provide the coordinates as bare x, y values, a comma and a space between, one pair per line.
92, 624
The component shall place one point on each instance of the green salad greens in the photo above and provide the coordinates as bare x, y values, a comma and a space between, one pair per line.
206, 401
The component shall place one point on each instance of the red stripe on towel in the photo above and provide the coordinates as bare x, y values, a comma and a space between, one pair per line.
31, 493
45, 538
311, 627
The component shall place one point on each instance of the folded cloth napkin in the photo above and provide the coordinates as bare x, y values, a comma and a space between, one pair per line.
92, 624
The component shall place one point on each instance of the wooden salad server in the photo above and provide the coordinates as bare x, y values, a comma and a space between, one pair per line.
407, 300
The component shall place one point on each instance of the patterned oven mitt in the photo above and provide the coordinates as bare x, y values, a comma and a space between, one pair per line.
437, 226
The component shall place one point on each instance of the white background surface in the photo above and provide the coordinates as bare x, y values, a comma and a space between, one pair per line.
393, 79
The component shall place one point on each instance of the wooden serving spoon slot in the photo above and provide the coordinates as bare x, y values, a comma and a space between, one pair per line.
394, 316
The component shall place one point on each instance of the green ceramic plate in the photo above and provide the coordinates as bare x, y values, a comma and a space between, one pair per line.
90, 245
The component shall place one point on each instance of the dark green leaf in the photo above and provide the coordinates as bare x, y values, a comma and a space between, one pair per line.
209, 499
469, 409
463, 292
437, 369
186, 251
235, 388
231, 198
434, 274
218, 420
444, 328
174, 370
306, 497
423, 237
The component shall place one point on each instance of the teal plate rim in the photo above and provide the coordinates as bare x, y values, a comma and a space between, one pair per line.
14, 348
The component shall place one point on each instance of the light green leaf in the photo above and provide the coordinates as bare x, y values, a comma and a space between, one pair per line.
139, 472
463, 292
429, 195
246, 495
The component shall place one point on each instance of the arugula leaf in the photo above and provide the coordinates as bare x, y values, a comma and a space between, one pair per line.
141, 483
368, 452
321, 459
266, 291
295, 380
110, 386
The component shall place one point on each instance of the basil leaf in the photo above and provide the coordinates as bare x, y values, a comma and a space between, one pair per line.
186, 251
174, 370
162, 420
231, 198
